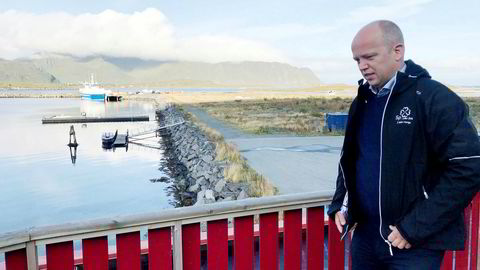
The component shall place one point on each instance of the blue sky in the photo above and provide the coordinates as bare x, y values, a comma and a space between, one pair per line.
443, 36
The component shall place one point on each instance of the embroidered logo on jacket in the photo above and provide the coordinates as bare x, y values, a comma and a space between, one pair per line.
404, 116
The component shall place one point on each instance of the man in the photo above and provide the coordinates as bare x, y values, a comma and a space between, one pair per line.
410, 162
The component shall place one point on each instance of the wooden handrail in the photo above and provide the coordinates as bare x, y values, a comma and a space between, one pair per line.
184, 252
166, 217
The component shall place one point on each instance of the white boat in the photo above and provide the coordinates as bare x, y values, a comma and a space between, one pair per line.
92, 91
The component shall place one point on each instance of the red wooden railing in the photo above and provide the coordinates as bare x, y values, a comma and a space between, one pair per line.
302, 213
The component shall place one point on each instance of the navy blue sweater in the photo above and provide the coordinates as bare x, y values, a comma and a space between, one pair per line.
368, 160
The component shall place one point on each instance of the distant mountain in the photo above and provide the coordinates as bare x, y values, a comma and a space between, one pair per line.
17, 71
73, 70
68, 69
242, 73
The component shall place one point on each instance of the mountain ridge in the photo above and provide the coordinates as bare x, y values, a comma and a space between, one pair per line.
72, 70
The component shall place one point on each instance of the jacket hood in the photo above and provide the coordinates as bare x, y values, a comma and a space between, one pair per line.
416, 71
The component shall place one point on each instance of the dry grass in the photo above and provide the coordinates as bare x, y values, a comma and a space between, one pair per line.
273, 116
237, 169
241, 93
228, 152
292, 116
259, 185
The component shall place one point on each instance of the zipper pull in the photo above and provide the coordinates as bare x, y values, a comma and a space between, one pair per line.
389, 247
425, 193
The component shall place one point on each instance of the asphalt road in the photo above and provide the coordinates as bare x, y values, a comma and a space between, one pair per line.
293, 164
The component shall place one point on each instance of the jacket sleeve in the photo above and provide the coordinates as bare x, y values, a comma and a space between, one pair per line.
340, 198
456, 148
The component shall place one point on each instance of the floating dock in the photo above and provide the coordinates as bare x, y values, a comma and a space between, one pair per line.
73, 119
121, 140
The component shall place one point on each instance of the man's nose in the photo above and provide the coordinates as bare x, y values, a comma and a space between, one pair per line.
362, 65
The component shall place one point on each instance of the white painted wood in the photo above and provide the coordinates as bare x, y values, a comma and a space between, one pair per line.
177, 246
13, 247
32, 261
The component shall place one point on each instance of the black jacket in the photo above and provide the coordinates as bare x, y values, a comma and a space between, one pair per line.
430, 162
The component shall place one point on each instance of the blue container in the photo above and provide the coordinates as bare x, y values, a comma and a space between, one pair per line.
336, 121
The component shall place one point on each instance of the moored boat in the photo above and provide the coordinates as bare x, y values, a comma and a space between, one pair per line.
108, 139
92, 91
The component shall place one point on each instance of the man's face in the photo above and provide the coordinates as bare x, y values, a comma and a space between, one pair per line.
376, 60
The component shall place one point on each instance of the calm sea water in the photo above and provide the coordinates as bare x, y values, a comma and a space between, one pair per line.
123, 90
39, 184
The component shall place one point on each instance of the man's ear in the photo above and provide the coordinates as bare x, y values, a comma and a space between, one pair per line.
399, 51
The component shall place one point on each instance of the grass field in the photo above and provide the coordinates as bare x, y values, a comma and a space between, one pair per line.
299, 116
278, 116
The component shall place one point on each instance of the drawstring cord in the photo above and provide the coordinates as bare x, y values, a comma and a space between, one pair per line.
389, 247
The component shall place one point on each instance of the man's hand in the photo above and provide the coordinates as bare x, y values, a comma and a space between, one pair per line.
340, 221
397, 239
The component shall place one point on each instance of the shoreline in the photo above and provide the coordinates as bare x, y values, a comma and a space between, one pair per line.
190, 97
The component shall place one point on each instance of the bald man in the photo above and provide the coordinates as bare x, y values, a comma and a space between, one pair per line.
410, 160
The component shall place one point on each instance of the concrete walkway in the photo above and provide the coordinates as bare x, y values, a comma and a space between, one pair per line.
293, 164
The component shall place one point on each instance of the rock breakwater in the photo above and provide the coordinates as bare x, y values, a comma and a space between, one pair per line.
198, 176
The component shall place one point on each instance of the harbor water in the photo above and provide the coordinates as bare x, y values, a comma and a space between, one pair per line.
44, 182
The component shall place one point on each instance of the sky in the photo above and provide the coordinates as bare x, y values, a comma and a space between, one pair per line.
442, 36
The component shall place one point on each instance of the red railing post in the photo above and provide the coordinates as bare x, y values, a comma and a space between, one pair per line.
243, 243
336, 248
462, 256
16, 260
447, 263
217, 244
128, 251
269, 241
292, 239
191, 246
467, 258
475, 232
60, 256
315, 238
95, 253
160, 249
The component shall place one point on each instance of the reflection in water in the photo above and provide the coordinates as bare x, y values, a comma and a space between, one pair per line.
179, 180
73, 153
92, 108
113, 148
72, 144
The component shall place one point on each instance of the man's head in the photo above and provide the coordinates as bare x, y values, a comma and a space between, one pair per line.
378, 49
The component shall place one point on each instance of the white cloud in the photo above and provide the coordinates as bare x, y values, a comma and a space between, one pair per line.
147, 34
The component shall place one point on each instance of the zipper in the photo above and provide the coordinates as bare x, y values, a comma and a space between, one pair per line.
380, 174
344, 208
345, 199
343, 174
424, 192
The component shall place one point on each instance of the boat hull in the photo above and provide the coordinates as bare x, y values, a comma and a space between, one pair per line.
93, 96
